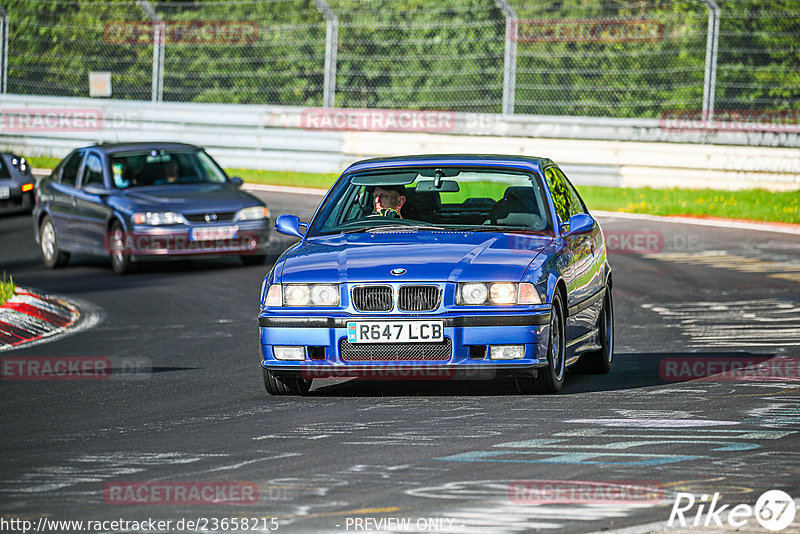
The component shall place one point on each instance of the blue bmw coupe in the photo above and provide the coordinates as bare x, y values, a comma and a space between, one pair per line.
440, 266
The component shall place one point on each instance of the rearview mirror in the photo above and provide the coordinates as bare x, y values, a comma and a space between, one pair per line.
445, 186
235, 180
581, 223
289, 225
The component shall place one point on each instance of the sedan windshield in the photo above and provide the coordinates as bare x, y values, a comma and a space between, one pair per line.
412, 199
164, 167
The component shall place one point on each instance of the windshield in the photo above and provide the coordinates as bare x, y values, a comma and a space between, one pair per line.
164, 167
435, 199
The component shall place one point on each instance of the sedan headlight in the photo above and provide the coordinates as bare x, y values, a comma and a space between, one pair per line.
253, 213
303, 295
156, 218
480, 293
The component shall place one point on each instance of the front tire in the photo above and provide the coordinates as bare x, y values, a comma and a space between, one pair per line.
550, 379
285, 383
120, 257
52, 256
599, 361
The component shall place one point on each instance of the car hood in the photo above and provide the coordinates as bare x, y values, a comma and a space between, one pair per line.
189, 198
426, 256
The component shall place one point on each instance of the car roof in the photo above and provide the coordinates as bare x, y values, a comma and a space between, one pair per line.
446, 160
110, 148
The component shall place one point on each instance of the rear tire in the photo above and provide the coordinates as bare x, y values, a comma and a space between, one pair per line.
599, 361
120, 258
285, 383
549, 379
52, 256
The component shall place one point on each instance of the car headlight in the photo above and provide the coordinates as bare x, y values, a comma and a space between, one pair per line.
253, 213
303, 295
156, 218
479, 293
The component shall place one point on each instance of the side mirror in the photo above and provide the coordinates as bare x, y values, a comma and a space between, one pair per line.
579, 224
289, 225
235, 180
93, 189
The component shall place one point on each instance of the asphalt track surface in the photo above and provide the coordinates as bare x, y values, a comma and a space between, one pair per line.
445, 452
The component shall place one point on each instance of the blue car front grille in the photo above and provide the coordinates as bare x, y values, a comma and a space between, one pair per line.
364, 352
372, 298
419, 298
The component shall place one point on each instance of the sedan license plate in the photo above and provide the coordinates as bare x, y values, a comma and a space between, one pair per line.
5, 192
213, 234
395, 331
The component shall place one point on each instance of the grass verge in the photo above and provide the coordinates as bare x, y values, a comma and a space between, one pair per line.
755, 204
7, 289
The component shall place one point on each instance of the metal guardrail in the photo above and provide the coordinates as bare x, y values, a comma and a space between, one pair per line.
593, 151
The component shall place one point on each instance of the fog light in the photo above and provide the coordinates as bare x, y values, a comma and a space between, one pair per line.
289, 353
506, 352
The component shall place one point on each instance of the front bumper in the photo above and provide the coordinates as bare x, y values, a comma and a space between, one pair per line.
252, 237
468, 336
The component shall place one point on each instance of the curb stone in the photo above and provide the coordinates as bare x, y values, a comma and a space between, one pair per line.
30, 316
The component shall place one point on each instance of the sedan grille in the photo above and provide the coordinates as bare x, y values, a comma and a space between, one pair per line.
372, 298
363, 352
419, 298
210, 217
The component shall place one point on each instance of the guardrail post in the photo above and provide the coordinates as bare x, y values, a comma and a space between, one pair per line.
510, 57
331, 42
712, 50
4, 30
159, 44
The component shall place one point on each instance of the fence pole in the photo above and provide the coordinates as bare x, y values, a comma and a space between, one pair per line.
331, 43
4, 31
510, 57
159, 43
712, 49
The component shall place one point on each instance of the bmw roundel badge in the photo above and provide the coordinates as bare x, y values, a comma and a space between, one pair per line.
398, 271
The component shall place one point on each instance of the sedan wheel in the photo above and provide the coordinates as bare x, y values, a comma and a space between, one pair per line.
51, 255
549, 379
285, 383
120, 258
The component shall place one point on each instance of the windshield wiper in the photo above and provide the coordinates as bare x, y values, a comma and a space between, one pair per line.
387, 228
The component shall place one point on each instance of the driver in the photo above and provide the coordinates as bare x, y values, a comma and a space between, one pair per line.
388, 200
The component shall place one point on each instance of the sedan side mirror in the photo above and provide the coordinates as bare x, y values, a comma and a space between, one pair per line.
235, 180
581, 223
289, 225
93, 189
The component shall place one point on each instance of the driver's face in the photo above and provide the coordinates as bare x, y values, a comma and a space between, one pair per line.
385, 199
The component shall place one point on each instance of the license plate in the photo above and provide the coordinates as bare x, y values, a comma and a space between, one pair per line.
5, 192
213, 234
395, 331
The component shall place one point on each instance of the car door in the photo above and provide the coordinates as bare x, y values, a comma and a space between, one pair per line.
91, 211
591, 253
61, 205
574, 255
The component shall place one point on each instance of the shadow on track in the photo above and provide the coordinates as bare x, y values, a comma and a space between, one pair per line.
631, 371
